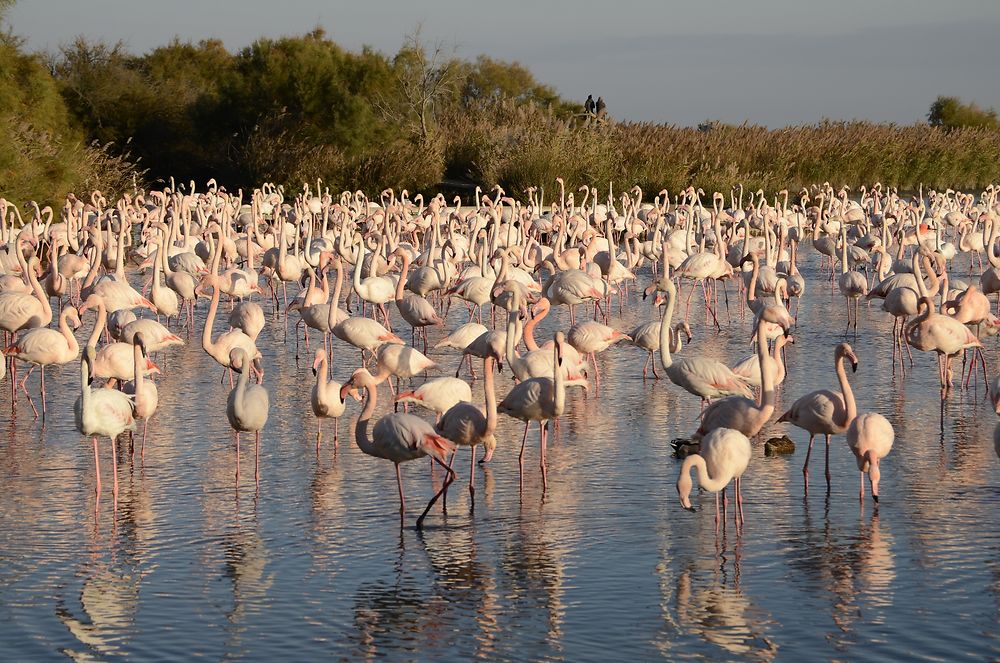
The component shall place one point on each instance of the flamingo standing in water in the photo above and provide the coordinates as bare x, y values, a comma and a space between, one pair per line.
703, 377
247, 407
741, 413
143, 392
870, 438
399, 438
43, 347
467, 425
326, 400
723, 457
826, 412
101, 412
591, 337
539, 399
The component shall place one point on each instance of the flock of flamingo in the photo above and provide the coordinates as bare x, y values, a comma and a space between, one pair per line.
518, 259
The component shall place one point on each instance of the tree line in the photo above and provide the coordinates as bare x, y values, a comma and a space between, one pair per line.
296, 108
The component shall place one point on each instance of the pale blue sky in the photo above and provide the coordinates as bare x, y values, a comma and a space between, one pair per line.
771, 62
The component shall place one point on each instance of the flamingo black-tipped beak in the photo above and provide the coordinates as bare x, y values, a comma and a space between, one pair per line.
691, 509
314, 371
854, 367
875, 497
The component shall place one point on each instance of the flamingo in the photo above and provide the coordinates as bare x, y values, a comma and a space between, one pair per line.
467, 425
101, 413
155, 336
826, 412
538, 399
247, 407
114, 360
43, 347
741, 413
591, 337
326, 400
221, 348
398, 438
852, 284
942, 334
723, 457
144, 394
870, 438
703, 377
438, 395
248, 317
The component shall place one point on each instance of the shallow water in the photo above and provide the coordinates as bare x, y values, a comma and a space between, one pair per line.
604, 565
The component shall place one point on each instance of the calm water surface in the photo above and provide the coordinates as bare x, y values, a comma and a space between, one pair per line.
604, 565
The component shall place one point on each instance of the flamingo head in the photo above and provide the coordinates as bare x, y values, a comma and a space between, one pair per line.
93, 301
73, 316
845, 351
873, 473
684, 486
320, 358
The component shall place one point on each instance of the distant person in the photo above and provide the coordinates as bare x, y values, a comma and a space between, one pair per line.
600, 107
589, 105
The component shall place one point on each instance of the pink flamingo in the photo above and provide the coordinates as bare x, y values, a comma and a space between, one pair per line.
539, 399
741, 413
326, 400
826, 412
398, 438
591, 337
247, 407
467, 425
144, 394
723, 457
46, 347
870, 438
101, 412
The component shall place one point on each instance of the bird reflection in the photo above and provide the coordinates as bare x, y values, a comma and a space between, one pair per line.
712, 606
464, 581
245, 558
858, 572
109, 597
389, 615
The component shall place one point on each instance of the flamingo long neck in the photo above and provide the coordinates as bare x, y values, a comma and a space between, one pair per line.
358, 265
241, 383
321, 378
559, 383
335, 302
665, 359
361, 428
529, 329
206, 332
85, 395
138, 365
71, 342
511, 352
779, 362
845, 386
401, 283
102, 320
752, 288
704, 480
766, 376
491, 396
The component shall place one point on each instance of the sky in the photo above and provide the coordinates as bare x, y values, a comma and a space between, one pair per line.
770, 62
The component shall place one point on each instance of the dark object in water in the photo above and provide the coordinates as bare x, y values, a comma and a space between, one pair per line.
779, 446
684, 447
